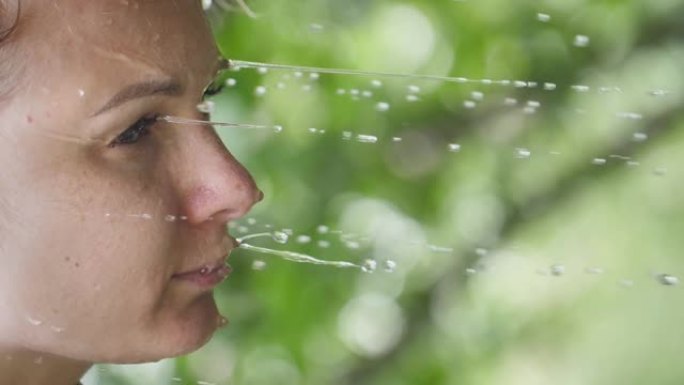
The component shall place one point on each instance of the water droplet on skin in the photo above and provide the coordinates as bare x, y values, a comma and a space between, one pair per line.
549, 86
543, 17
170, 218
323, 229
598, 161
280, 237
260, 91
183, 218
557, 270
369, 266
314, 76
667, 279
632, 163
230, 82
382, 106
277, 129
581, 41
205, 270
298, 74
262, 70
258, 265
303, 239
469, 104
390, 266
206, 4
312, 130
81, 93
519, 84
533, 103
376, 83
33, 321
639, 136
454, 147
206, 107
56, 329
346, 135
580, 88
396, 139
414, 89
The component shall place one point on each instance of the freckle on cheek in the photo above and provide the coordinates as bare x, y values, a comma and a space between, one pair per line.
29, 119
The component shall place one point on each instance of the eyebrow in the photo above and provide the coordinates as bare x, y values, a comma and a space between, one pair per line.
141, 90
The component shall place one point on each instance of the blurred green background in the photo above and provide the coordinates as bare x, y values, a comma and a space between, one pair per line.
534, 211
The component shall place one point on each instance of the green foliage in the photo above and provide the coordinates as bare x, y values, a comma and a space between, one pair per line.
492, 310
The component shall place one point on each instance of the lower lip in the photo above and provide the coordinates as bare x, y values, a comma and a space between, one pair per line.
207, 280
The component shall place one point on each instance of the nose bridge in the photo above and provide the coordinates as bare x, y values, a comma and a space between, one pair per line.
213, 185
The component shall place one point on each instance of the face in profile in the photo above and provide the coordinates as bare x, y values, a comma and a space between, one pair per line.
94, 233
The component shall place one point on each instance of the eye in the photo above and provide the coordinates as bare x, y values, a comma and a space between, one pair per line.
216, 86
133, 133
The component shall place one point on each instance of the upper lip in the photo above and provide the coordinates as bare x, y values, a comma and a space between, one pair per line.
214, 264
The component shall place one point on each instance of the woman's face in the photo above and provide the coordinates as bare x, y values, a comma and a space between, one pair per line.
88, 241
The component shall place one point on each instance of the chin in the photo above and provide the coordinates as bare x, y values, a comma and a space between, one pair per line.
192, 329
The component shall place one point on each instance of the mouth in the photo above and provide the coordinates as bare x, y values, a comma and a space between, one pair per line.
206, 276
209, 274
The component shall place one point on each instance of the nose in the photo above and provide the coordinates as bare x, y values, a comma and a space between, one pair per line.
212, 184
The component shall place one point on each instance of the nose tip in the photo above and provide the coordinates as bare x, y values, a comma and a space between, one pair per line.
217, 187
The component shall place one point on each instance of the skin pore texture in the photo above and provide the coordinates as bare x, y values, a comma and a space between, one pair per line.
86, 277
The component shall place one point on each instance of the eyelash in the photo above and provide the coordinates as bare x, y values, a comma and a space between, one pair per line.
135, 132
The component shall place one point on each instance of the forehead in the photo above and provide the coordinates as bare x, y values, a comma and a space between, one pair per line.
111, 39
